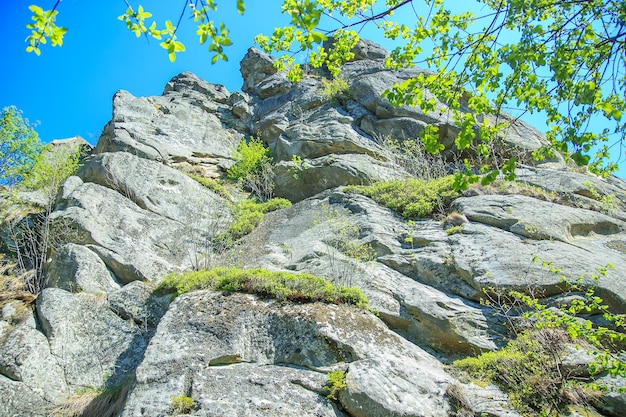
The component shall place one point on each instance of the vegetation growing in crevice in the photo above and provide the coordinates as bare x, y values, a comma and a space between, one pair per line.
411, 198
88, 402
414, 159
13, 283
254, 168
211, 184
182, 404
335, 384
248, 214
531, 367
274, 284
336, 89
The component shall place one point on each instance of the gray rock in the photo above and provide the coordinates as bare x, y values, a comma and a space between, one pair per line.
283, 348
256, 66
159, 189
535, 219
136, 302
132, 242
93, 346
486, 256
299, 181
583, 189
175, 128
27, 364
75, 268
169, 216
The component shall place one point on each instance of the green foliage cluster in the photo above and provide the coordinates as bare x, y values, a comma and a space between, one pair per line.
182, 404
248, 157
528, 370
52, 167
336, 382
454, 230
607, 202
530, 367
44, 28
253, 168
279, 285
336, 89
248, 214
412, 198
19, 146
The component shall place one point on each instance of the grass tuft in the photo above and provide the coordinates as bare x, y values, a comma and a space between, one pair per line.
412, 198
279, 285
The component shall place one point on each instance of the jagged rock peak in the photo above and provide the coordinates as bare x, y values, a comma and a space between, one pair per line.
187, 84
256, 66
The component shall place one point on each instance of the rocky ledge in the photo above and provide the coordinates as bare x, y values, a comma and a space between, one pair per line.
99, 327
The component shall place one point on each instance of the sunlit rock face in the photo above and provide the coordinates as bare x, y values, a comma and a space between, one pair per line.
131, 216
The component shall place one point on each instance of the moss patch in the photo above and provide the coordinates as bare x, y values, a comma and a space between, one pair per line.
412, 198
279, 285
248, 214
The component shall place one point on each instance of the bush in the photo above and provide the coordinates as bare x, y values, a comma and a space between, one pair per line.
248, 158
182, 404
248, 214
411, 198
530, 367
336, 89
279, 285
254, 168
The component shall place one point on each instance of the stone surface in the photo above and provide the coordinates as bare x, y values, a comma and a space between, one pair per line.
282, 352
93, 346
176, 127
75, 268
159, 189
130, 216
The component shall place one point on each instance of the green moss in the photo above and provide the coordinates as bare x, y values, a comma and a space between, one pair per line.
182, 404
454, 230
248, 214
211, 184
336, 89
412, 198
279, 285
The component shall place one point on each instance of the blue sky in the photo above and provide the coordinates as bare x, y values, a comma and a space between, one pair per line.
67, 90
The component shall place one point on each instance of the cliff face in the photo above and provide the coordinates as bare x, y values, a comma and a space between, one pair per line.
138, 217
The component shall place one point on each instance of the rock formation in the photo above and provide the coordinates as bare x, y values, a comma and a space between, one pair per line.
137, 217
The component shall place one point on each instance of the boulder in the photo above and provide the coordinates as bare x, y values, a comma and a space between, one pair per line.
93, 346
76, 268
134, 243
31, 375
275, 356
159, 189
